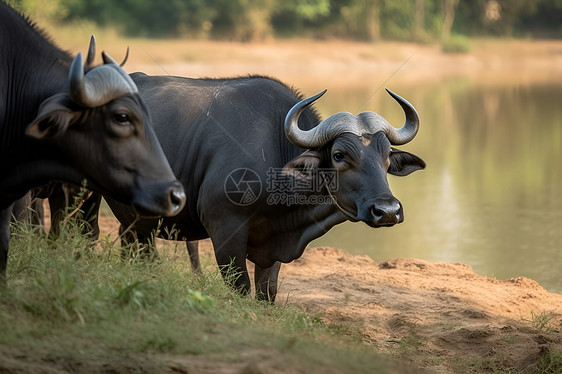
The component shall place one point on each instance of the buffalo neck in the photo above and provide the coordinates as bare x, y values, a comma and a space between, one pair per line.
295, 226
34, 173
32, 69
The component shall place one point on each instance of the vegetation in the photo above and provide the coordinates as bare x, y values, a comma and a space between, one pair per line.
551, 362
68, 300
416, 20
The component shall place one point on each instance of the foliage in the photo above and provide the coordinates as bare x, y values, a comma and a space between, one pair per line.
247, 20
551, 362
456, 44
70, 298
541, 321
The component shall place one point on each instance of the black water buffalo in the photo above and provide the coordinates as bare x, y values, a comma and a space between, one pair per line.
263, 175
60, 122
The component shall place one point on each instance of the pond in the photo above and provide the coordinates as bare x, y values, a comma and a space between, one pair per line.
491, 194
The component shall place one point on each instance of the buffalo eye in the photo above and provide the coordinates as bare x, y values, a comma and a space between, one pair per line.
122, 118
122, 125
338, 156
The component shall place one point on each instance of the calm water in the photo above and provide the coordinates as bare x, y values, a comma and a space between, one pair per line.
491, 196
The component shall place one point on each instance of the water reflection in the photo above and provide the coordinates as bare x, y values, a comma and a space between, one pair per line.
491, 194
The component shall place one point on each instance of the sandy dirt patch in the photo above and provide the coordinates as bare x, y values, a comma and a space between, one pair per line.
439, 316
431, 313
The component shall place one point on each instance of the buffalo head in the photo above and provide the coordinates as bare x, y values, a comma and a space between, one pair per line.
102, 127
360, 149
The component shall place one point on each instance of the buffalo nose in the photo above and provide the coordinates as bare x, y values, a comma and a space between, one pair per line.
387, 212
176, 199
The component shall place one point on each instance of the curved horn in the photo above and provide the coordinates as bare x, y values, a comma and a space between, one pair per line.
336, 124
304, 139
91, 52
76, 87
101, 85
126, 58
407, 132
107, 59
324, 132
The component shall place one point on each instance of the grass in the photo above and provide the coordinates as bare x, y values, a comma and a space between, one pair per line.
69, 301
541, 321
551, 362
456, 44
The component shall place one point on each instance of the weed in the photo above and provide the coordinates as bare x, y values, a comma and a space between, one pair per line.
479, 365
541, 321
551, 362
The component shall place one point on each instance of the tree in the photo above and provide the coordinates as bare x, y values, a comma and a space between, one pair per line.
373, 19
450, 8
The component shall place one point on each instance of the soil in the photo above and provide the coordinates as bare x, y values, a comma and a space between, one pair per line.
435, 315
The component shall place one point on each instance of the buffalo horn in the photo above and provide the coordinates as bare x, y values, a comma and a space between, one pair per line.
302, 138
407, 132
91, 52
364, 123
100, 85
107, 59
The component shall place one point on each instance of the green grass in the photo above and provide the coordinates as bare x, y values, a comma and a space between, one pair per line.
551, 362
541, 321
456, 44
72, 300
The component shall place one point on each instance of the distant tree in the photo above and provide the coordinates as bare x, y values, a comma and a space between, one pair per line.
246, 20
373, 19
420, 20
243, 20
449, 17
40, 10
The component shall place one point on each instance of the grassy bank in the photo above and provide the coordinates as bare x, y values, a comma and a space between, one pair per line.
72, 305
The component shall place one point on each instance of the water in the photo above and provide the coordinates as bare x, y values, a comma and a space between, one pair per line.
491, 196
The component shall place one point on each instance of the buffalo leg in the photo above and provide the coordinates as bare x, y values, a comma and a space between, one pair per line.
37, 211
230, 253
91, 209
58, 202
265, 280
21, 209
5, 215
62, 197
193, 250
135, 244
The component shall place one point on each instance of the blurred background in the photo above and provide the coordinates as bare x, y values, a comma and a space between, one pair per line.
253, 20
485, 76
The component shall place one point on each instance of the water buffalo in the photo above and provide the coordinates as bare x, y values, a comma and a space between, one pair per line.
263, 175
60, 121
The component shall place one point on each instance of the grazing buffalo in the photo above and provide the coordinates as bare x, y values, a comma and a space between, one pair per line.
60, 121
263, 175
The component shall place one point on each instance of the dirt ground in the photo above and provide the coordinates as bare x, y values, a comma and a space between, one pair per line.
439, 316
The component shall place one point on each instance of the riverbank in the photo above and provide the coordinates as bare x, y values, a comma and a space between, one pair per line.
433, 315
307, 63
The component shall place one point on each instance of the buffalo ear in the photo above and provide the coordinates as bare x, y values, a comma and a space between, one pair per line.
403, 163
54, 116
303, 164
